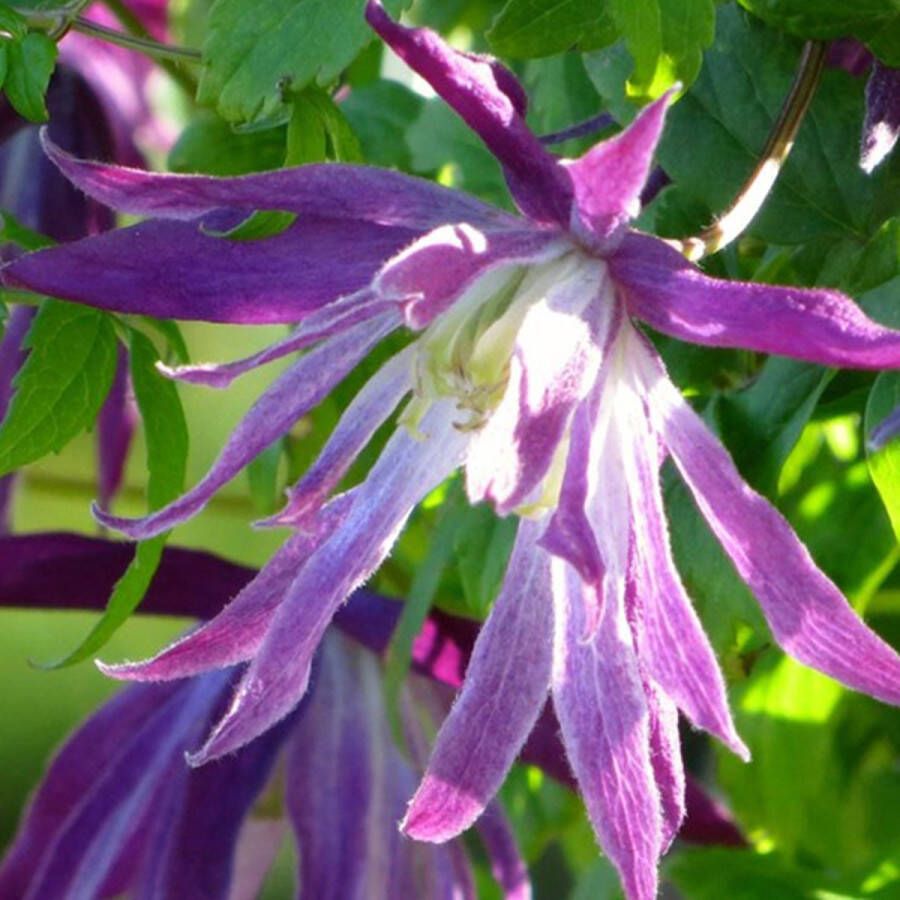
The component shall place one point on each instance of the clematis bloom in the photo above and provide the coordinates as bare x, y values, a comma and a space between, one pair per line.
529, 370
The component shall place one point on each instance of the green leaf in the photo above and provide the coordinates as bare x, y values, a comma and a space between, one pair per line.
60, 388
12, 22
30, 62
418, 603
529, 29
764, 422
306, 140
875, 21
482, 550
884, 464
210, 145
262, 478
380, 114
14, 232
441, 143
166, 436
640, 24
715, 133
342, 144
256, 53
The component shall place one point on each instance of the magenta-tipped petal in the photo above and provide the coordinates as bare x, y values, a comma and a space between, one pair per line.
296, 391
408, 468
482, 93
808, 615
606, 727
609, 178
506, 683
432, 273
554, 364
824, 326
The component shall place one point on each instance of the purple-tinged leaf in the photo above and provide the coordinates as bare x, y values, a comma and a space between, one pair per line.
824, 326
504, 691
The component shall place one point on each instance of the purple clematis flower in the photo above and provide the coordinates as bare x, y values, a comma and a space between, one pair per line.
529, 371
119, 811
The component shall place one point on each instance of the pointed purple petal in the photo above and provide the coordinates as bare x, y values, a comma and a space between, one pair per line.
609, 178
171, 269
430, 274
661, 287
317, 326
599, 699
368, 411
295, 392
324, 191
73, 775
482, 94
808, 615
882, 125
555, 361
237, 632
505, 688
570, 535
408, 468
507, 865
100, 827
671, 640
668, 766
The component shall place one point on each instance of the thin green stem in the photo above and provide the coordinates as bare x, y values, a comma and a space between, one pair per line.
738, 216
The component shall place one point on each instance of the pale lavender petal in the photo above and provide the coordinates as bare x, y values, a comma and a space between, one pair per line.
332, 191
86, 849
237, 632
73, 774
507, 864
824, 326
258, 846
315, 327
488, 99
808, 615
882, 125
504, 691
605, 719
408, 468
665, 757
555, 360
294, 393
196, 854
670, 639
609, 178
570, 534
115, 429
366, 413
430, 274
170, 269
